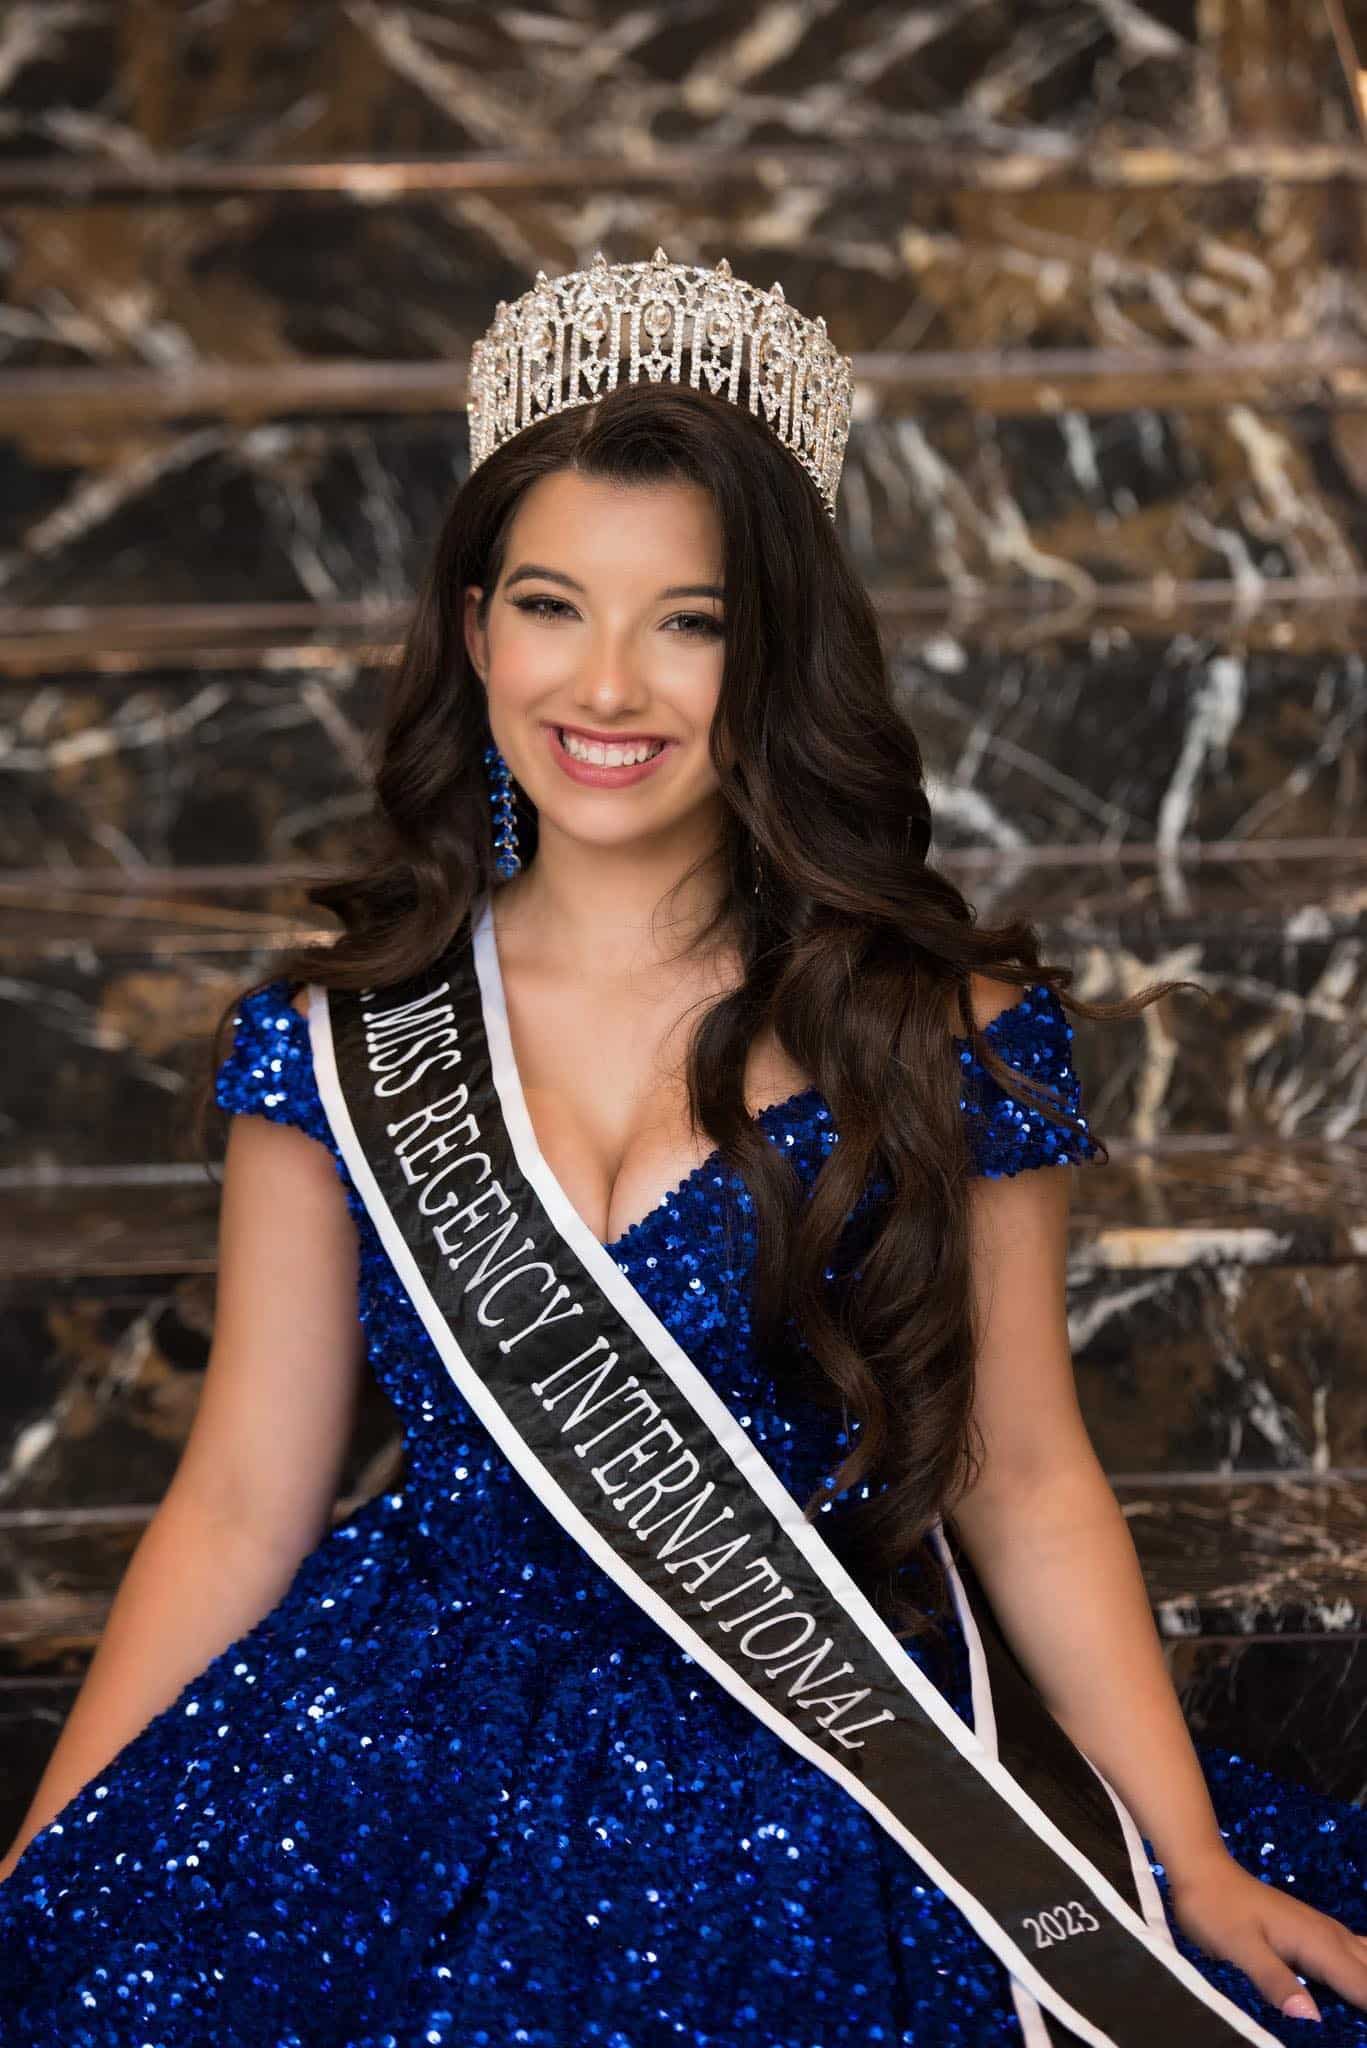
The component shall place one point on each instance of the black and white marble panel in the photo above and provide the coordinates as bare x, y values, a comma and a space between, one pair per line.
376, 81
104, 1374
1294, 1705
263, 768
391, 273
1096, 743
108, 1045
1226, 1359
1253, 1557
1221, 1365
1095, 746
949, 503
31, 1718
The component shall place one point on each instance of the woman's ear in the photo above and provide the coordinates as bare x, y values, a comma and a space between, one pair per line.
476, 638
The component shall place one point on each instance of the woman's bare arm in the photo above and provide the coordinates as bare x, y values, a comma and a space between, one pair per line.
1047, 1536
1044, 1529
257, 1480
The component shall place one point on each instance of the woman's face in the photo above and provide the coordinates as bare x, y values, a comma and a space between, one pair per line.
608, 620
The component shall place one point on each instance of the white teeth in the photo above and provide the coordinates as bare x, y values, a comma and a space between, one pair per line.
605, 756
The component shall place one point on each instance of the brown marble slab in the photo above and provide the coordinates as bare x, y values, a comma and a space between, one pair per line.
1223, 1364
1273, 1565
376, 81
1012, 382
1290, 1704
102, 1381
1218, 1335
1314, 886
1084, 747
31, 1718
1160, 1209
1253, 1557
1176, 1205
1224, 1559
1123, 516
104, 1047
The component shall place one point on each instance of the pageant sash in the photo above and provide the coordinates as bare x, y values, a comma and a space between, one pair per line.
602, 1413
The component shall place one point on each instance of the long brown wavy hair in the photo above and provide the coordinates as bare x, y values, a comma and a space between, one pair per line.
857, 953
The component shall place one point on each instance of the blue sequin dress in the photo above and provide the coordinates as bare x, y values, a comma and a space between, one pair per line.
456, 1787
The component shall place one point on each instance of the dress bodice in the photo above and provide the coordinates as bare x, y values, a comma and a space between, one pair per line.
691, 1257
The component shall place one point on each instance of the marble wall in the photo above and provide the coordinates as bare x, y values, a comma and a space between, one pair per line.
1099, 265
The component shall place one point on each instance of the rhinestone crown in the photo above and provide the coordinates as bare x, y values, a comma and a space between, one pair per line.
560, 345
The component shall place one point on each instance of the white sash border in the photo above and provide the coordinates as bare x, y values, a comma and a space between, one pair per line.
985, 1727
1033, 2029
786, 1511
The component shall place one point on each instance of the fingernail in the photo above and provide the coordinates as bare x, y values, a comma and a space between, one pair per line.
1301, 2006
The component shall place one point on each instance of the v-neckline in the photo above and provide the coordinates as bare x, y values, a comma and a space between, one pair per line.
508, 1080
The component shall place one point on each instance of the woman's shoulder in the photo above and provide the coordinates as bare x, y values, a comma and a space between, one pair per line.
268, 1070
988, 1000
1028, 1030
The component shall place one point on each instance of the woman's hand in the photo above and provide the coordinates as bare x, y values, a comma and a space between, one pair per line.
1233, 1914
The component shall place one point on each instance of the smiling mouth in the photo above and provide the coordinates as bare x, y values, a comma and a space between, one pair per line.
608, 753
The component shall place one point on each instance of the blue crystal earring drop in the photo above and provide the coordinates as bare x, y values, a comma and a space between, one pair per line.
507, 859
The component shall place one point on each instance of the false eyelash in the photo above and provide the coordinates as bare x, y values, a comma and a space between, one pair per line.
705, 619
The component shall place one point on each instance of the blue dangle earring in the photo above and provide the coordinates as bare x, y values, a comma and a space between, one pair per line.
507, 859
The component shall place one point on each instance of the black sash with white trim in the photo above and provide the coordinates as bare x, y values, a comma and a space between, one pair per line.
600, 1410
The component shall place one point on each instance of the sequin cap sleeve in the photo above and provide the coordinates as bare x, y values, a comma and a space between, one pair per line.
1006, 1136
269, 1070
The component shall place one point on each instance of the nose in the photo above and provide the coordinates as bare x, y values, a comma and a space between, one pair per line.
610, 679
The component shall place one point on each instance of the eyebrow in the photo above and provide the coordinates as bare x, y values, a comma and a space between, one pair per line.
527, 570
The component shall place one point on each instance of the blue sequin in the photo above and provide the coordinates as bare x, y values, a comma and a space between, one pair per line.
456, 1788
1005, 1136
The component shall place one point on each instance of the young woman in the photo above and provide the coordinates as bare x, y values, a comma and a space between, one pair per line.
754, 1651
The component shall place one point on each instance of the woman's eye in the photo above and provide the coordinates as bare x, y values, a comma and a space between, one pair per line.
700, 624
